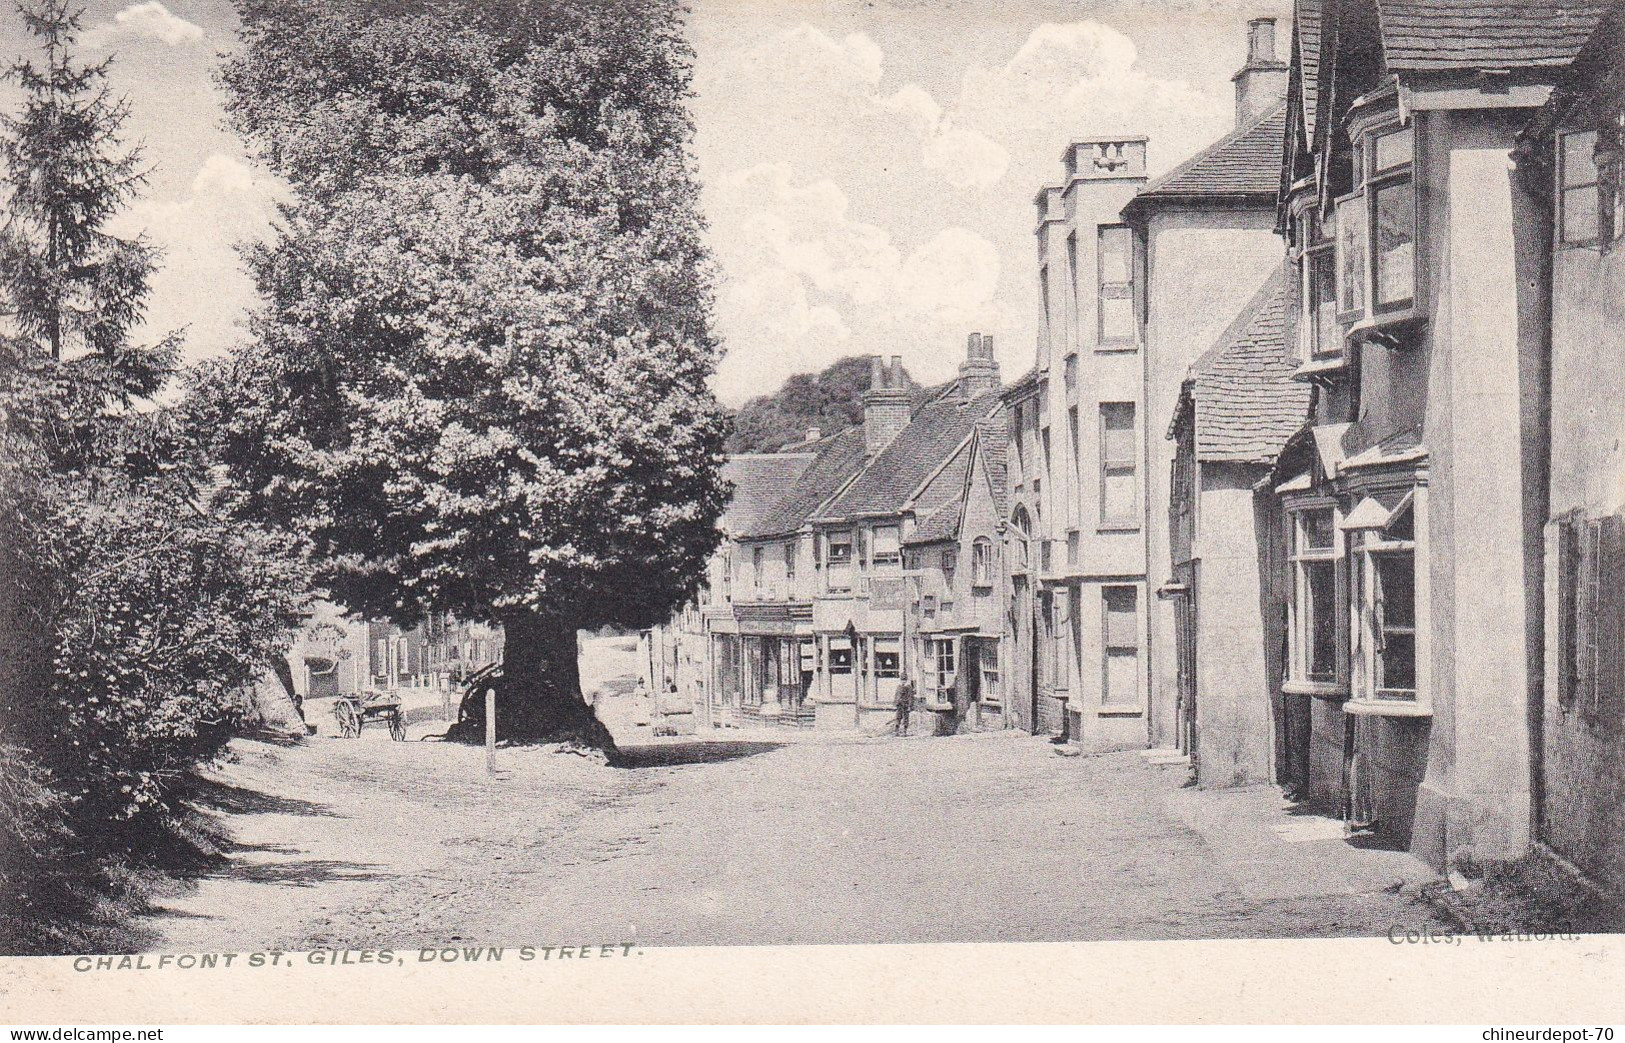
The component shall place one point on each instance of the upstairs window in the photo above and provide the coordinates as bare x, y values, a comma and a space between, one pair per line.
950, 562
1591, 195
1376, 227
888, 552
838, 575
1119, 478
790, 563
1319, 336
1115, 270
981, 562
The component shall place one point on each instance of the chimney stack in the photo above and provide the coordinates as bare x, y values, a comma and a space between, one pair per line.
979, 373
886, 408
1261, 83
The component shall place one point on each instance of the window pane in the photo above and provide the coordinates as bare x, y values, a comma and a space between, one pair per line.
1117, 426
1395, 249
1115, 255
1579, 160
1315, 530
1122, 680
1318, 620
1116, 318
1396, 580
1120, 496
1121, 605
1351, 255
1580, 215
1396, 663
1327, 338
1393, 150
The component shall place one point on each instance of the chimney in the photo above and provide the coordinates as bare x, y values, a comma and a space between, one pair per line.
978, 374
1261, 83
885, 405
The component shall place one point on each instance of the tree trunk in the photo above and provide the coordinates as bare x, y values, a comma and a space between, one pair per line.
540, 699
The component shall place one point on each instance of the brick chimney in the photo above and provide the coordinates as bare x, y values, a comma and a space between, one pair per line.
885, 405
1261, 83
979, 373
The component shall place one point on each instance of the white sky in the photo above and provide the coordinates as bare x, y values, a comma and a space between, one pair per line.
868, 166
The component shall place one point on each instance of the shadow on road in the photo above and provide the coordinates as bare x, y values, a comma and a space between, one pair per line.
666, 755
307, 873
235, 800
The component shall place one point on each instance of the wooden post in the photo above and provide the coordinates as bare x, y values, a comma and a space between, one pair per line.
491, 730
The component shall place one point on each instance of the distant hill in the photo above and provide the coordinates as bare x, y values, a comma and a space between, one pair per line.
830, 401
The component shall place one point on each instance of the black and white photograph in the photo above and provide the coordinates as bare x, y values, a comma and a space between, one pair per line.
532, 481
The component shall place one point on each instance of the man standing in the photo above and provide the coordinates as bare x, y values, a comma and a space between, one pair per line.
905, 706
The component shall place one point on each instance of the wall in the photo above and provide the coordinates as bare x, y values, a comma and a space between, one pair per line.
1583, 755
1202, 267
1233, 705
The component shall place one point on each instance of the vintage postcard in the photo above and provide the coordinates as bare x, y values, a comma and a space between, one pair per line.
812, 510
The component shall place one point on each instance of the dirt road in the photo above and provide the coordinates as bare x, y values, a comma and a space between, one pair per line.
368, 843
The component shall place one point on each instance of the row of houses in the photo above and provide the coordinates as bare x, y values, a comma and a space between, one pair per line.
1316, 479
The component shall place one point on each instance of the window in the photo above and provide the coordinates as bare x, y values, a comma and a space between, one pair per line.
1020, 535
1120, 674
1376, 227
840, 655
1384, 578
1318, 333
1062, 676
790, 565
1043, 292
1591, 556
1115, 259
950, 562
988, 654
1314, 624
888, 664
887, 549
1069, 374
981, 562
939, 669
1577, 168
756, 559
1072, 433
1072, 268
839, 574
1119, 482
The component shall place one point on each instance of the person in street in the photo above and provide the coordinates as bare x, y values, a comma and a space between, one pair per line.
905, 706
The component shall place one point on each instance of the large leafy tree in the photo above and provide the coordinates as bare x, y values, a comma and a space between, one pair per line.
479, 380
135, 612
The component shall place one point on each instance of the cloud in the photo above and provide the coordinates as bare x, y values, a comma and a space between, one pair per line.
150, 20
965, 158
201, 283
810, 283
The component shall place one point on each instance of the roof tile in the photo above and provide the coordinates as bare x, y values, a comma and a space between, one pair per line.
1244, 162
1247, 404
838, 458
1442, 35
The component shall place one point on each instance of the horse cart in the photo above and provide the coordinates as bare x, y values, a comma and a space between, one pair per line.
355, 712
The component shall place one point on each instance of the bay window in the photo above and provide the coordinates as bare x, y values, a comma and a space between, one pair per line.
1376, 227
1314, 620
1383, 578
1319, 336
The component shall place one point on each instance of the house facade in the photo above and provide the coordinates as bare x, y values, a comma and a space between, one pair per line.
1413, 503
1239, 407
1204, 236
1569, 157
916, 463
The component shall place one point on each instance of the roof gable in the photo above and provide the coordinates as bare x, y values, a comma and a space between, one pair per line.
1247, 404
887, 483
1245, 162
838, 458
1445, 35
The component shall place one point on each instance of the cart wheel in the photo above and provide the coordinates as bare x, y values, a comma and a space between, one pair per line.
397, 726
349, 725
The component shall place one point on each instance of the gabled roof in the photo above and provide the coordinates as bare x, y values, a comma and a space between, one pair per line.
1446, 35
1245, 163
993, 442
759, 481
929, 441
940, 525
1247, 405
837, 459
1306, 37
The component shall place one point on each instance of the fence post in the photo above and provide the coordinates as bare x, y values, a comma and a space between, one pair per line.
491, 729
